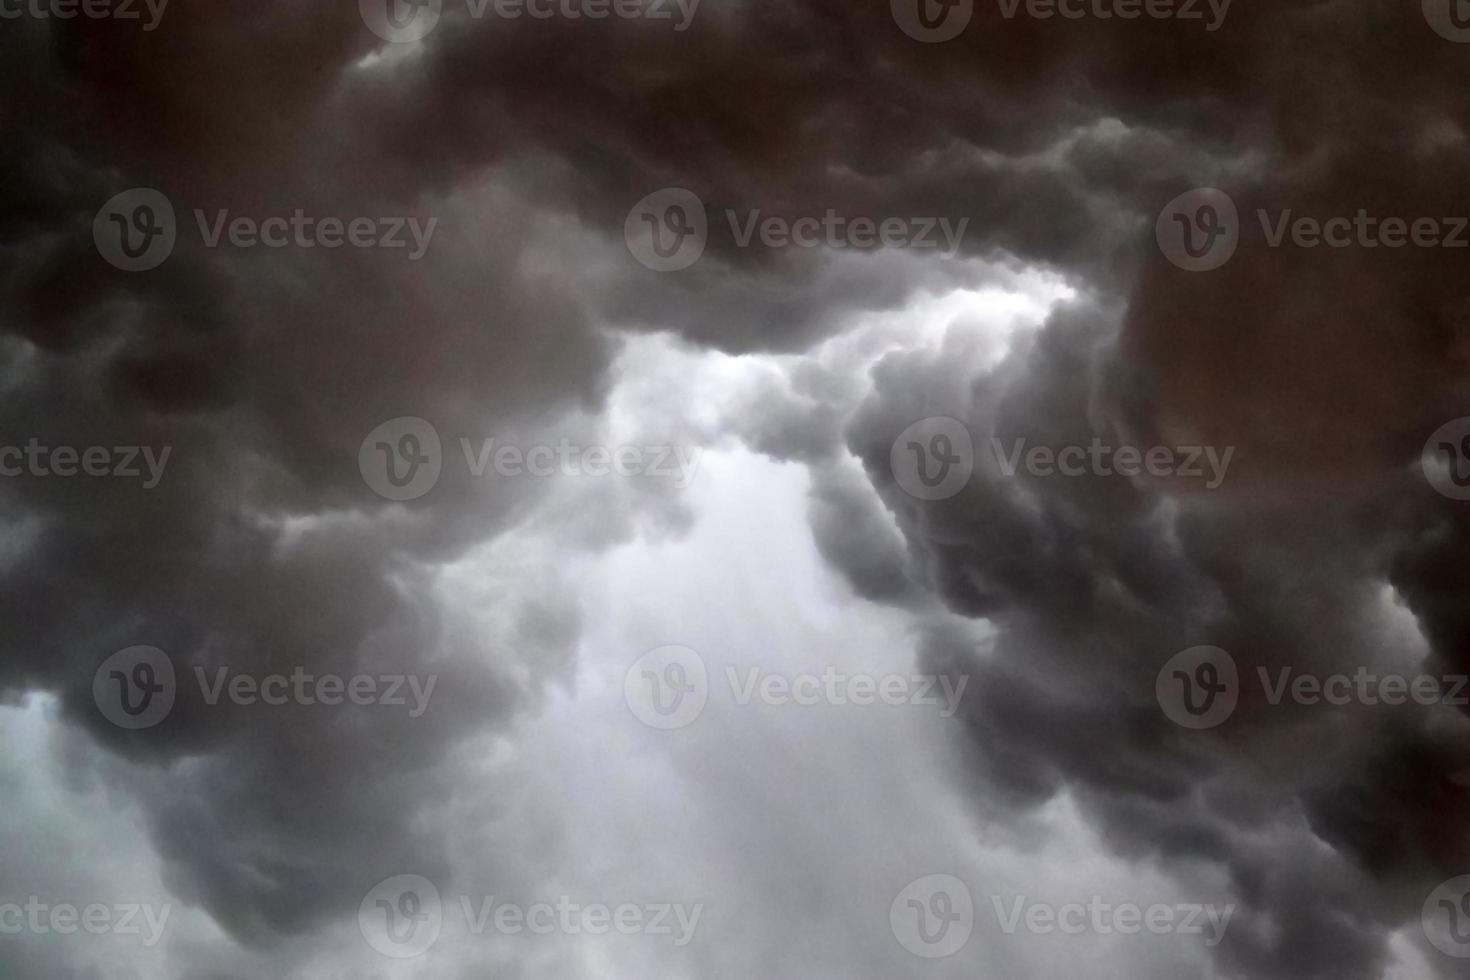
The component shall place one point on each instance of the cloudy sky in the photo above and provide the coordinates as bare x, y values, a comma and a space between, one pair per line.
732, 488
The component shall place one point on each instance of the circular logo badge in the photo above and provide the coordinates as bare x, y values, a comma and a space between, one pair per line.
932, 21
135, 230
1199, 688
667, 230
401, 21
1446, 917
667, 688
135, 688
1446, 459
401, 459
401, 917
933, 916
1199, 230
1449, 18
933, 459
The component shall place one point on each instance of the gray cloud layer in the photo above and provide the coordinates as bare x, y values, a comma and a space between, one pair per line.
529, 141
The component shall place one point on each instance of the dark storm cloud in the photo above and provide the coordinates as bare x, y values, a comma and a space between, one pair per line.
261, 549
530, 141
1096, 582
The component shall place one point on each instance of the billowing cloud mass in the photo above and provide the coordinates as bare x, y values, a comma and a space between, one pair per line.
525, 318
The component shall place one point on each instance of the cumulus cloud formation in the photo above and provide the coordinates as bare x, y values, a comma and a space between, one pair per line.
253, 385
